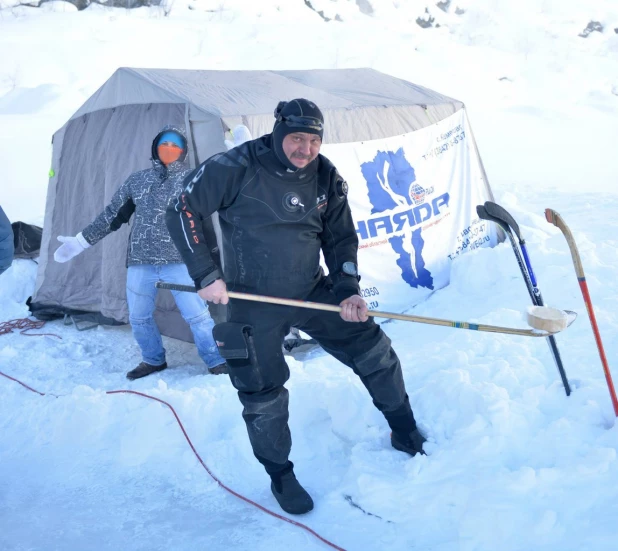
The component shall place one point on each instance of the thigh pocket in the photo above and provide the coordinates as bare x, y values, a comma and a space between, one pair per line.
236, 345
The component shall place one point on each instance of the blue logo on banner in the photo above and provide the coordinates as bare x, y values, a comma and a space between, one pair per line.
391, 184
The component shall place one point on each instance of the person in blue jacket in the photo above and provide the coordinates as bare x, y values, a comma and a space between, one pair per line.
151, 254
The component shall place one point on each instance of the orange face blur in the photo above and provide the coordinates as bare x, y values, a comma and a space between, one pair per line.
301, 148
168, 152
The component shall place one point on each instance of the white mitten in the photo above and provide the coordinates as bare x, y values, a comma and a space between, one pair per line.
71, 246
240, 134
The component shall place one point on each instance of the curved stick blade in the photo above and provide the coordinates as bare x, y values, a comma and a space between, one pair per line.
571, 317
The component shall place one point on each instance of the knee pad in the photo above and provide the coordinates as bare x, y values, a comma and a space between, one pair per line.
380, 356
236, 345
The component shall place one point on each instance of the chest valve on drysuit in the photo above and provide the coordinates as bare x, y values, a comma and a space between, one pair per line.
292, 203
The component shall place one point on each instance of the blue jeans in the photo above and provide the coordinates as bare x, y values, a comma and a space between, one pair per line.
141, 294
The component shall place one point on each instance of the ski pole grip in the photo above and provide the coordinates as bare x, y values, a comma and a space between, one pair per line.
175, 287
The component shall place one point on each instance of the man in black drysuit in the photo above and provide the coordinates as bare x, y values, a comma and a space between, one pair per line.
279, 204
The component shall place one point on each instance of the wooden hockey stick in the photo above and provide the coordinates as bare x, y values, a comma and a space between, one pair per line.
375, 313
554, 218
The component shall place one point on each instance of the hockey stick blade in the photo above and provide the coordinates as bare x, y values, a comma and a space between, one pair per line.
374, 313
482, 213
495, 210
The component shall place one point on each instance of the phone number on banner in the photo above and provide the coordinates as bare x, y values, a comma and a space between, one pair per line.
438, 150
368, 293
470, 238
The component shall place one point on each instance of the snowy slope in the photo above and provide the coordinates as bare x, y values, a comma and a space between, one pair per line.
513, 463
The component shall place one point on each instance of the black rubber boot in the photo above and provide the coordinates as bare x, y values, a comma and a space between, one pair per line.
411, 443
221, 369
405, 436
292, 497
144, 369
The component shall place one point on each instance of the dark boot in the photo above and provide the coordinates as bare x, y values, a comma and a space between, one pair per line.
405, 436
292, 497
221, 369
411, 443
144, 369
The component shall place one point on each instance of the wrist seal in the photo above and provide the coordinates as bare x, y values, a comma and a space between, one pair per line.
208, 279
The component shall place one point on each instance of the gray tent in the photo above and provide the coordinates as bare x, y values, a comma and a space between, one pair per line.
109, 137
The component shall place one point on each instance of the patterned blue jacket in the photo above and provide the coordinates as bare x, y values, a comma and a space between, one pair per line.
145, 193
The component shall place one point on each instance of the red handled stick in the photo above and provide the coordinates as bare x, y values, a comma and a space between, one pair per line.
554, 218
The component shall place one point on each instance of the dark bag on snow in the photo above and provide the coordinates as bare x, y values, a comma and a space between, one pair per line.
27, 239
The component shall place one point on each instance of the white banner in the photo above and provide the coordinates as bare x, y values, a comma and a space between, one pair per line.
413, 199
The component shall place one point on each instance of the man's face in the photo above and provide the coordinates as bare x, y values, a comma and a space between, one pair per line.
301, 148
